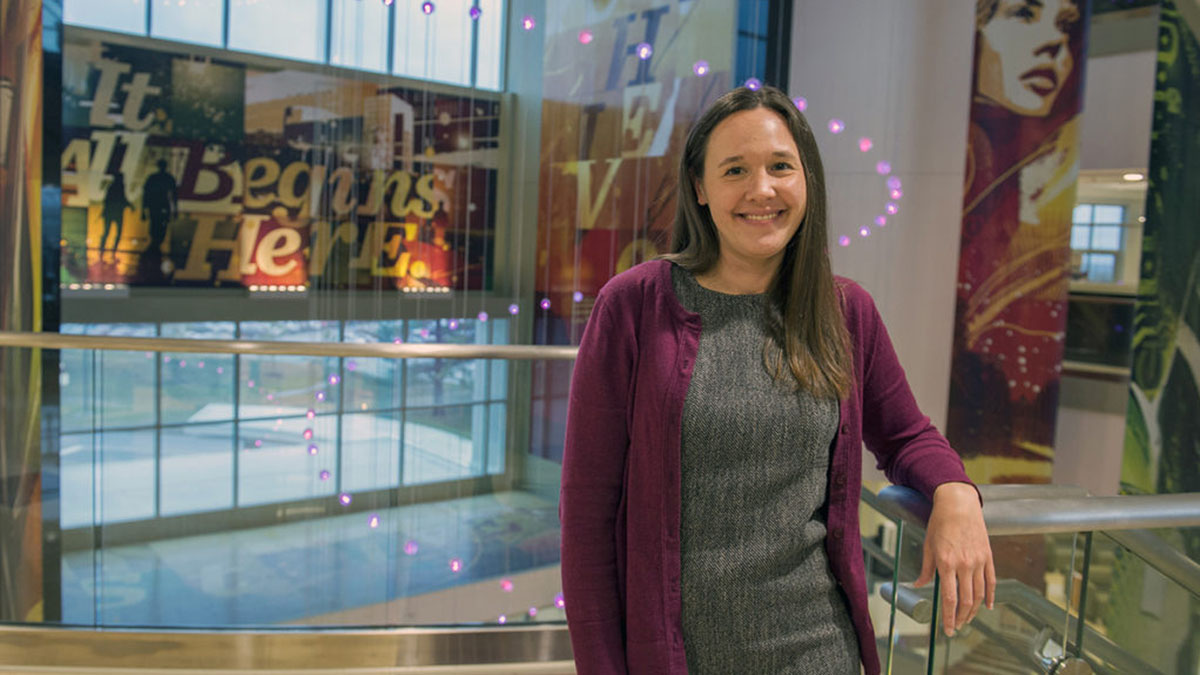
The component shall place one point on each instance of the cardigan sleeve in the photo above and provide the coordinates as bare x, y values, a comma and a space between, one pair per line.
907, 446
597, 440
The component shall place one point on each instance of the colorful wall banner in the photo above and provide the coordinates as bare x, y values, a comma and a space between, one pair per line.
186, 170
21, 63
623, 83
1022, 164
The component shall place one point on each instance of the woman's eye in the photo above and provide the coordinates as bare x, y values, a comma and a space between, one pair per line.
733, 171
783, 166
1024, 12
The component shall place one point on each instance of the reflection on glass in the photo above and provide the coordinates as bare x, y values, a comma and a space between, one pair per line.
197, 468
491, 34
1108, 214
197, 387
198, 21
434, 46
107, 477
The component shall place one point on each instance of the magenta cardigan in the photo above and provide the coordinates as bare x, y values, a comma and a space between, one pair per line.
620, 499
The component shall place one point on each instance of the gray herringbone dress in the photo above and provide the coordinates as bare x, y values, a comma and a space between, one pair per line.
758, 594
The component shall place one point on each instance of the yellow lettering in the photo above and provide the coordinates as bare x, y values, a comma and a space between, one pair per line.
287, 185
205, 241
340, 201
403, 183
260, 172
277, 243
321, 243
427, 205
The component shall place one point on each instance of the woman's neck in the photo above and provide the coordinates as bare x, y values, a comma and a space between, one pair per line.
733, 278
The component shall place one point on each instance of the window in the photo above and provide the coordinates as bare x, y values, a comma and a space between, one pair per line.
1097, 242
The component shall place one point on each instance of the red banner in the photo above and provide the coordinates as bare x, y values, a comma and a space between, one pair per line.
1022, 164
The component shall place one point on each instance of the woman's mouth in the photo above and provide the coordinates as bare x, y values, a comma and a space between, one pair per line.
1042, 81
762, 217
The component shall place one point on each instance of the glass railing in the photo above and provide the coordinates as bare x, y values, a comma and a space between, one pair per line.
233, 484
1060, 557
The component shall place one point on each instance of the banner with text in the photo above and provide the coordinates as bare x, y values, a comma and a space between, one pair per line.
186, 170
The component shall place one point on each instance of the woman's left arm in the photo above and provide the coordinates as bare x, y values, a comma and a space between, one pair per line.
913, 453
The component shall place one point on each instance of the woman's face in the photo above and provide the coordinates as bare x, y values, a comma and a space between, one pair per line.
754, 187
1024, 58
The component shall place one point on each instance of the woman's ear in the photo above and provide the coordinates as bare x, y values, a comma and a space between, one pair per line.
701, 199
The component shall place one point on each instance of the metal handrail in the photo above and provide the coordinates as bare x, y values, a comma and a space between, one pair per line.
1122, 518
326, 349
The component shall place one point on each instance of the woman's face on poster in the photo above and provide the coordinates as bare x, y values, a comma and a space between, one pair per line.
1024, 55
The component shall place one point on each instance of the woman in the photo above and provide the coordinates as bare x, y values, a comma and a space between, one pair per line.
718, 406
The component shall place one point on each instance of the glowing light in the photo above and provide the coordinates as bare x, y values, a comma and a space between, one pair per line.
545, 303
883, 168
456, 565
476, 13
700, 68
836, 126
558, 601
453, 324
310, 414
307, 434
502, 619
312, 449
881, 220
182, 363
373, 521
801, 103
532, 612
397, 341
258, 443
200, 364
324, 475
388, 2
865, 144
528, 22
333, 380
506, 585
577, 296
1133, 176
427, 7
345, 499
270, 397
250, 384
320, 396
843, 241
891, 208
513, 309
753, 84
410, 547
643, 50
896, 193
864, 231
220, 370
585, 37
352, 366
893, 182
482, 316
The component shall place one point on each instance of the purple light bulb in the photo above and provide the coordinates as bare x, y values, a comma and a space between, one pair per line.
373, 521
801, 103
700, 68
312, 449
585, 37
864, 231
307, 434
324, 475
545, 303
891, 209
753, 84
558, 601
506, 585
310, 414
881, 220
644, 50
843, 241
333, 380
893, 182
456, 565
476, 13
352, 366
410, 547
345, 499
532, 612
482, 316
528, 22
502, 619
836, 126
883, 168
427, 7
513, 309
320, 396
577, 296
865, 144
896, 193
453, 324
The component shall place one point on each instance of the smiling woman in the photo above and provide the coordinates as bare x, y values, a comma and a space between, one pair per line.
720, 401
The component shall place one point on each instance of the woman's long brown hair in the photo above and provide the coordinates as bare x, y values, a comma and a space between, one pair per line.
806, 330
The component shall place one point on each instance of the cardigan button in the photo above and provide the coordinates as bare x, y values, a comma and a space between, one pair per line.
836, 533
839, 481
845, 428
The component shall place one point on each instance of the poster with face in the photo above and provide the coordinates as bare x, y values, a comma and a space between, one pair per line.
1022, 164
624, 80
187, 170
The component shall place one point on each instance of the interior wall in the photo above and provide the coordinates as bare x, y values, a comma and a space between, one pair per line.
1118, 106
898, 73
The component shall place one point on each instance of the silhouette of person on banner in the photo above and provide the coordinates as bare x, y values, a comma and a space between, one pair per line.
113, 211
160, 204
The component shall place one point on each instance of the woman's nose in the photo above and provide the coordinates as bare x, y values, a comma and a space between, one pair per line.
762, 184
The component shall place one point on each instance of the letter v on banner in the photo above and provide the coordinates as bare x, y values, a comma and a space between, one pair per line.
591, 205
